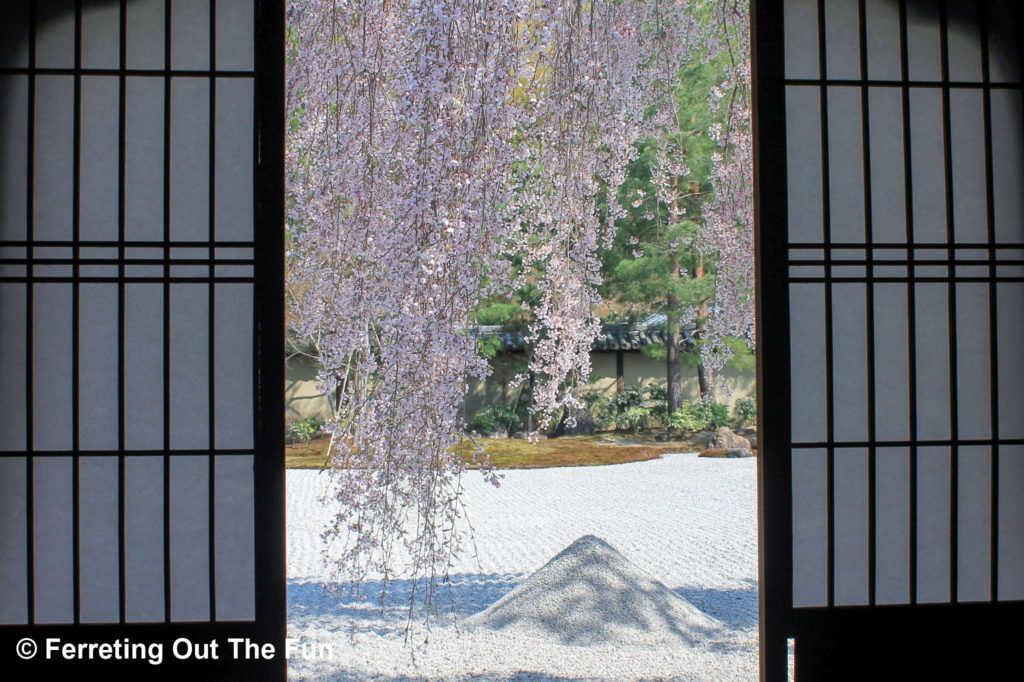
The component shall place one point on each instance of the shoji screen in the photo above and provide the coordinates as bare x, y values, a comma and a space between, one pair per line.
891, 208
140, 285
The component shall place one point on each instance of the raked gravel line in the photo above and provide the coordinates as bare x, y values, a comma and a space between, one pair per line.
689, 522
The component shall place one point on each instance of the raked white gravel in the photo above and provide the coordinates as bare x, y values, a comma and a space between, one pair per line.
689, 523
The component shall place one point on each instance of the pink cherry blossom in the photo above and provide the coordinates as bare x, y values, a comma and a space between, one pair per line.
430, 144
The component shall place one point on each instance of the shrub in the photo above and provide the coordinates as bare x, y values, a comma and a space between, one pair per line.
635, 419
493, 418
718, 415
633, 408
304, 430
746, 411
689, 418
597, 405
605, 418
657, 401
594, 401
629, 396
693, 417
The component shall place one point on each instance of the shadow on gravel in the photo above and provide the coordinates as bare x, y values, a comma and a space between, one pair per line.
329, 607
316, 605
736, 608
335, 607
342, 676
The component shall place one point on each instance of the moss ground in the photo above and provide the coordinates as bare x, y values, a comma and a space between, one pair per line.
515, 453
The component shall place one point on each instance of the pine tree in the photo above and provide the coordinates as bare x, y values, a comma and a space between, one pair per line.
659, 262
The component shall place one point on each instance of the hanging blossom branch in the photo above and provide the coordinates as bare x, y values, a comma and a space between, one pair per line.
432, 143
726, 235
577, 142
728, 227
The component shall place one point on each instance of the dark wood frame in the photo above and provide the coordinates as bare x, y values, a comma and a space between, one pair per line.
955, 640
269, 625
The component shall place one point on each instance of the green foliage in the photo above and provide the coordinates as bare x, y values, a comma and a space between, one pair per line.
746, 411
604, 416
634, 408
493, 418
305, 430
719, 415
597, 405
652, 249
505, 312
741, 355
657, 400
488, 346
742, 358
498, 313
697, 416
688, 419
636, 419
654, 351
669, 242
657, 392
659, 262
629, 396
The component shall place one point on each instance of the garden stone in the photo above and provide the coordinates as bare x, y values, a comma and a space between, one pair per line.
584, 423
738, 452
725, 439
750, 434
523, 435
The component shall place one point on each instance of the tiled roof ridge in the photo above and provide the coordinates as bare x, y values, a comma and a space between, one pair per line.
613, 336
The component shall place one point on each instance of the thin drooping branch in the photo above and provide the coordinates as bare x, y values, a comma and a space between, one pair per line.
431, 146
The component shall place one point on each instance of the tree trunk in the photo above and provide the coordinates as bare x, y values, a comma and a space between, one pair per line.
707, 385
704, 377
675, 382
529, 411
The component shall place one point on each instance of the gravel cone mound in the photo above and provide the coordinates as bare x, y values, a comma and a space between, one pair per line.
590, 594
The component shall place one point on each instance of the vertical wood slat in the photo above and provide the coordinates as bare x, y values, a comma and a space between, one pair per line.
954, 422
168, 614
122, 145
911, 300
993, 320
769, 20
29, 322
269, 161
826, 214
211, 325
76, 235
869, 240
